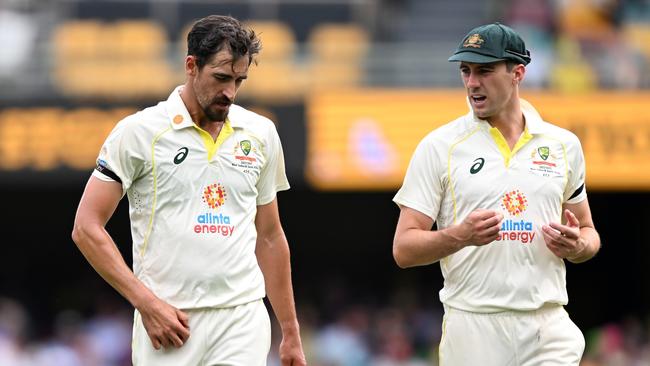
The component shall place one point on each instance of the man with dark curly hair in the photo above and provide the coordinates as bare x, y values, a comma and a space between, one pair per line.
201, 175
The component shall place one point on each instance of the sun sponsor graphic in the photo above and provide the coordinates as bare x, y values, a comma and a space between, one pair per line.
514, 229
215, 196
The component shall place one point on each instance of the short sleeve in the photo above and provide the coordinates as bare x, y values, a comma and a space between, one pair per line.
119, 158
422, 186
273, 177
575, 190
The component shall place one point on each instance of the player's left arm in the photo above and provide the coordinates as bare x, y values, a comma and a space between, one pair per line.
272, 251
576, 238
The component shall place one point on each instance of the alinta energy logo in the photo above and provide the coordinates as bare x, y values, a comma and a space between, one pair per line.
214, 196
513, 229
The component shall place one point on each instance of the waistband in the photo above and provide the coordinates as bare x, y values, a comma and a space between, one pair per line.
546, 308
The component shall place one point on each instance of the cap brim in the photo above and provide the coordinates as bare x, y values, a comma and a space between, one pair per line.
473, 57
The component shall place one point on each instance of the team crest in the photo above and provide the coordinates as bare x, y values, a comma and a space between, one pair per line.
474, 41
245, 146
543, 152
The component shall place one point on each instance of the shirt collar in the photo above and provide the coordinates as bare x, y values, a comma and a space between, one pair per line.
180, 117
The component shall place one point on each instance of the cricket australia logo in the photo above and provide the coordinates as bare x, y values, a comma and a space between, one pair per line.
242, 152
245, 146
543, 152
544, 162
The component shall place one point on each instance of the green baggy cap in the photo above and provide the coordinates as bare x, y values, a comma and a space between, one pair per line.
491, 43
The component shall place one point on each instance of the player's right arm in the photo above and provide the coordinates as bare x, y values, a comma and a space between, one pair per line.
416, 245
166, 325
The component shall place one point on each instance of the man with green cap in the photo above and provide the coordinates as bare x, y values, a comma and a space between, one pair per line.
507, 193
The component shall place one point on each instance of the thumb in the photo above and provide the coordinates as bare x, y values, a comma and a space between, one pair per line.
571, 219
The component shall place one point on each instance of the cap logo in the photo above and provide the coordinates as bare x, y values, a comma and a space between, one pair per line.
474, 41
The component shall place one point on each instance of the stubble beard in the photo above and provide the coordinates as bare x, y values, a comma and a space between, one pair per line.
218, 115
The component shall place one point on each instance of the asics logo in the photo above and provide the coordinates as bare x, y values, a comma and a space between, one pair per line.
182, 154
477, 166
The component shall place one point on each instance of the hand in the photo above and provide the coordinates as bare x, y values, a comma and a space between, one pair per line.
291, 353
480, 227
165, 325
564, 240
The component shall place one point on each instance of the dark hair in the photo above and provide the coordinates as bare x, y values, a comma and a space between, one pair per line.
211, 34
510, 64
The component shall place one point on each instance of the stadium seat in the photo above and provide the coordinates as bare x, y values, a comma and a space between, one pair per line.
571, 73
138, 38
77, 39
584, 20
337, 54
637, 35
122, 60
277, 78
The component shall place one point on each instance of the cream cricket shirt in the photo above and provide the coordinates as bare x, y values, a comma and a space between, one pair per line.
192, 202
467, 164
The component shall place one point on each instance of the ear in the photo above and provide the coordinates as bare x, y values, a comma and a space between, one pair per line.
191, 68
518, 72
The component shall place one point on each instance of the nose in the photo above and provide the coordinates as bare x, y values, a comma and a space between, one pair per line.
230, 90
472, 80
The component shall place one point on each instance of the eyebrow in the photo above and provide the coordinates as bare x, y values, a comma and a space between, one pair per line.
225, 75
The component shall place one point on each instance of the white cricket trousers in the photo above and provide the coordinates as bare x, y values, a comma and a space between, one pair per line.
236, 336
544, 337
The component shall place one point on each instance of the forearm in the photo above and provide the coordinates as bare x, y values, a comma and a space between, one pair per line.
103, 255
591, 246
274, 260
416, 247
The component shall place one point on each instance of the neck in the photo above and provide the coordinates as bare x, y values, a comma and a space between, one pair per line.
195, 111
510, 122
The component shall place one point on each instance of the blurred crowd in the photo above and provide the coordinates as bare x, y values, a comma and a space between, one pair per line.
576, 45
358, 335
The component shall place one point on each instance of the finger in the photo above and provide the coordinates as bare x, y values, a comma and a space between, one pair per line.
494, 220
155, 342
552, 231
571, 219
485, 214
183, 333
183, 318
165, 341
176, 340
559, 228
567, 232
490, 232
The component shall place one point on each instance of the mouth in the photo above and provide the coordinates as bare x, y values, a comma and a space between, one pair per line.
222, 104
477, 99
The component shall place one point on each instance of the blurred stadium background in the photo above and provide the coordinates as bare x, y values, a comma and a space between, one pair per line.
353, 86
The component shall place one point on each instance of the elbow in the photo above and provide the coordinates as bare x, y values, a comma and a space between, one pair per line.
400, 257
78, 233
